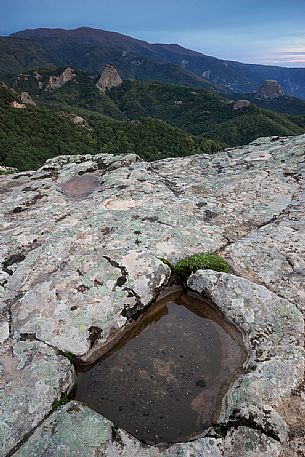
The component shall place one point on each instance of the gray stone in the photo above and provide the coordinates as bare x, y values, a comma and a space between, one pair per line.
109, 78
56, 82
274, 255
246, 442
270, 90
33, 376
73, 430
27, 99
273, 332
80, 247
76, 431
241, 104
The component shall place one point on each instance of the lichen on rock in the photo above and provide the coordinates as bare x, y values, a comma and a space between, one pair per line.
80, 243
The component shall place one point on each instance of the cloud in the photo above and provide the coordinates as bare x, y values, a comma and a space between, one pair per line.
292, 53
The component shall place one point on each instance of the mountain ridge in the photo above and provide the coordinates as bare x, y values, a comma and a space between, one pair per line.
87, 49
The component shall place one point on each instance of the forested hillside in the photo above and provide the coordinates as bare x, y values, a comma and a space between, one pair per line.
152, 119
200, 112
31, 135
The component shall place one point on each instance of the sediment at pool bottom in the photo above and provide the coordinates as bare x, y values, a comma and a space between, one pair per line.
164, 380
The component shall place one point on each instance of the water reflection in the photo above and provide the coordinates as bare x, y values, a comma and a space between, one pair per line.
165, 379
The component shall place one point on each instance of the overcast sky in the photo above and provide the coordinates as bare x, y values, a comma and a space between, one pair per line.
257, 31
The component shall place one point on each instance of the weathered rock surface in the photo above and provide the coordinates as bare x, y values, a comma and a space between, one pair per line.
109, 78
75, 430
241, 104
32, 378
270, 90
273, 330
27, 99
77, 120
7, 170
16, 105
56, 82
80, 242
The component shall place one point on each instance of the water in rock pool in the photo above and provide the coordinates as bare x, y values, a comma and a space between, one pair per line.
164, 381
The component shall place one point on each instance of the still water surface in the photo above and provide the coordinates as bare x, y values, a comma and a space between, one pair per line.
165, 379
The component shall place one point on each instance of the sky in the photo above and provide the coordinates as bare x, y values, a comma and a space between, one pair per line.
255, 31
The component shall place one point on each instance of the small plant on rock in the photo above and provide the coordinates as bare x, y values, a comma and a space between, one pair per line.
189, 265
61, 401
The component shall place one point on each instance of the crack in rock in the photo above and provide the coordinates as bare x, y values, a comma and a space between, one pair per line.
124, 273
12, 260
134, 311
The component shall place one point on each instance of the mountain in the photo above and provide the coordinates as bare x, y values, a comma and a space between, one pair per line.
17, 55
52, 50
271, 95
91, 49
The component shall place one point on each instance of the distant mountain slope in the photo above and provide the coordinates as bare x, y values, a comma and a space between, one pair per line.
285, 104
17, 55
90, 49
79, 51
271, 96
29, 135
81, 92
200, 112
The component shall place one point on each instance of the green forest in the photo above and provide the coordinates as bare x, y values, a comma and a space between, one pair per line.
154, 120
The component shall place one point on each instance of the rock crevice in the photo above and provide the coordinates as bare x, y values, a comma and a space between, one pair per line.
96, 266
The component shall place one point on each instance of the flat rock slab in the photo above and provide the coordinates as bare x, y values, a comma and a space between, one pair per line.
80, 247
76, 431
273, 330
33, 376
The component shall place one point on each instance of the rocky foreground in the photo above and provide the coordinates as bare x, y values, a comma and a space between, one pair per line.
80, 245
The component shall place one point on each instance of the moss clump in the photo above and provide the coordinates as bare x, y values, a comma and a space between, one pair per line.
61, 401
167, 262
68, 355
185, 267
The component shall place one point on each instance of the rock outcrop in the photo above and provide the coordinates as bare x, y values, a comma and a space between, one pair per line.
77, 120
241, 104
27, 99
56, 82
270, 90
109, 78
16, 105
80, 247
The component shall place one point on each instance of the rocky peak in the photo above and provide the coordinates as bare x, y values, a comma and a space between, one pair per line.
109, 78
270, 89
27, 99
56, 82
